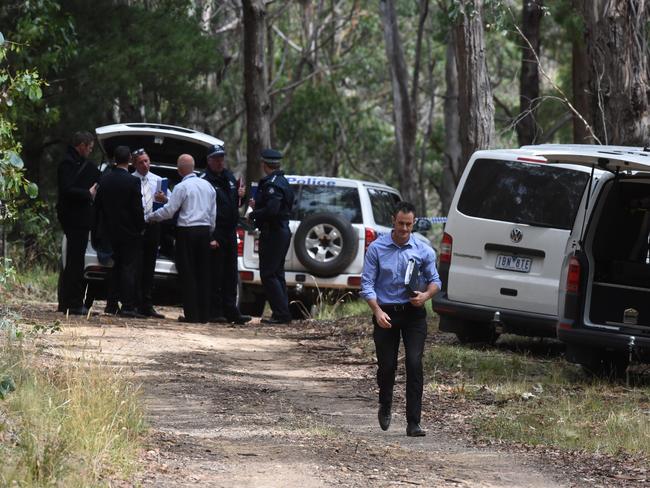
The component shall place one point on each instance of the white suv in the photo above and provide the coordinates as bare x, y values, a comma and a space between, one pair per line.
333, 222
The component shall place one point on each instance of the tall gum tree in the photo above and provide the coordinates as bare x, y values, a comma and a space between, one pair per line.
258, 107
475, 102
617, 51
531, 17
404, 103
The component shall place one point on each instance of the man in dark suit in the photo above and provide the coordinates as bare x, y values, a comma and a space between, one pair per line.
77, 183
119, 203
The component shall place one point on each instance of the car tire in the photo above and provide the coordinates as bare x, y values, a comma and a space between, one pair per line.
326, 244
476, 332
605, 365
250, 300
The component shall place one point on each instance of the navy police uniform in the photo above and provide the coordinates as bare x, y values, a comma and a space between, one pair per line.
223, 259
273, 203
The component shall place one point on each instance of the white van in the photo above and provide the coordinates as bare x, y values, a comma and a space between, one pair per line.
527, 223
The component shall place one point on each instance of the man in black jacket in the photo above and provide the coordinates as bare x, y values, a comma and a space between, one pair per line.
77, 184
223, 255
119, 203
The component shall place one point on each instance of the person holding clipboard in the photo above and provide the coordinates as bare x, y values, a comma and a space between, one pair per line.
397, 303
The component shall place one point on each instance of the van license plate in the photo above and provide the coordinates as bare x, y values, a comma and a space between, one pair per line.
514, 263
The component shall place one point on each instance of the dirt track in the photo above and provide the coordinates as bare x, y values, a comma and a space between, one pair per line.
260, 407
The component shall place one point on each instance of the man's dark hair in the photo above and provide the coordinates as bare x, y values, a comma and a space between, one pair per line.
122, 154
404, 207
82, 137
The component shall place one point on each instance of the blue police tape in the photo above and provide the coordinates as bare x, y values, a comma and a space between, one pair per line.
435, 220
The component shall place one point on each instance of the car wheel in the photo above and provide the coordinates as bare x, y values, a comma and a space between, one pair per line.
605, 365
472, 332
326, 244
250, 300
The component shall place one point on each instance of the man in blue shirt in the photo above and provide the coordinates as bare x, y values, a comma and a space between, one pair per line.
396, 310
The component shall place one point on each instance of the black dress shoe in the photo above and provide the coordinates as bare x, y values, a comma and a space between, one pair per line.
181, 318
77, 311
273, 321
384, 415
240, 319
151, 312
130, 314
414, 430
218, 319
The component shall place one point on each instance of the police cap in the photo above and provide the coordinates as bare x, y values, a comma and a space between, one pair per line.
271, 157
216, 151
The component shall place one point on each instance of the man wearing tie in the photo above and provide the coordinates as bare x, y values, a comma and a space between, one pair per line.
119, 202
151, 237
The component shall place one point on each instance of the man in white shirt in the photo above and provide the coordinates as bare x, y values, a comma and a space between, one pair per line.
195, 201
151, 236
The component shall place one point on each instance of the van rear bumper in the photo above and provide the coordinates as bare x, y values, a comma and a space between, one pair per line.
604, 340
523, 323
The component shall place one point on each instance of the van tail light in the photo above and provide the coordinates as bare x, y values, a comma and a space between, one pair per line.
445, 248
371, 235
240, 242
573, 276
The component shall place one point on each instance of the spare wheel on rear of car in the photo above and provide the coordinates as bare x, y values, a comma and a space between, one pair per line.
326, 244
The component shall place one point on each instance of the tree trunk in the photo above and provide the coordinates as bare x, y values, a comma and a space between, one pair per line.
617, 48
258, 133
475, 103
403, 111
527, 128
452, 166
581, 97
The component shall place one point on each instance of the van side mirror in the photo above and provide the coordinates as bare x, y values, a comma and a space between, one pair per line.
422, 225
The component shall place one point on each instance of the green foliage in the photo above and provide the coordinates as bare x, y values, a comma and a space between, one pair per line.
14, 85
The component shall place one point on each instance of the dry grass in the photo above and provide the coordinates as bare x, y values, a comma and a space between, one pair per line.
530, 397
72, 424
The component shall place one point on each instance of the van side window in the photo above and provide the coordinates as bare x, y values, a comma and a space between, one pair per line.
523, 193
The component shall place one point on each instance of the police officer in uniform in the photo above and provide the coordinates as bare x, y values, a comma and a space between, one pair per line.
223, 253
271, 209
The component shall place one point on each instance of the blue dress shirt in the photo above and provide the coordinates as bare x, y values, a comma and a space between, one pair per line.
385, 266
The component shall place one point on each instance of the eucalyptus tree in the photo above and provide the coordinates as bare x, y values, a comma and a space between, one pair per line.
529, 89
475, 102
617, 51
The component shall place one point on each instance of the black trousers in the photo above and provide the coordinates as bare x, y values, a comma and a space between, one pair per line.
122, 278
72, 283
274, 244
147, 266
411, 323
193, 265
223, 278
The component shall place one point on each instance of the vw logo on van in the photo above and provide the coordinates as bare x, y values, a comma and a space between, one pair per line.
516, 235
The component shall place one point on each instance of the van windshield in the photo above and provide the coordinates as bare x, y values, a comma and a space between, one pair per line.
523, 193
311, 199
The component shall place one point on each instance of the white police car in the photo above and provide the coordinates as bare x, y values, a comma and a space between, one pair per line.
333, 222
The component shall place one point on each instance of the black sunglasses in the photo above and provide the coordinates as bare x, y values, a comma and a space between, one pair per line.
138, 152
